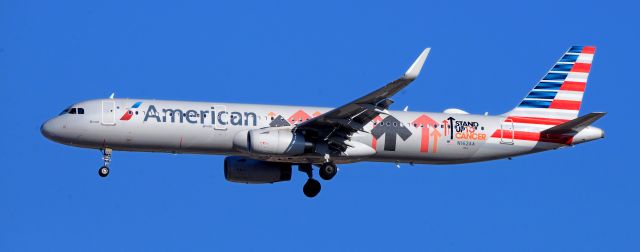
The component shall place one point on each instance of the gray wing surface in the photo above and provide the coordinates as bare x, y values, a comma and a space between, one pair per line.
336, 126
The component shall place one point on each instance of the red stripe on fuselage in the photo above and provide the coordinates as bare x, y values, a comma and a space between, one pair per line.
533, 136
564, 104
536, 120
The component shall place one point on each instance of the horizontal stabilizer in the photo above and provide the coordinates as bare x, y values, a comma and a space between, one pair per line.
575, 125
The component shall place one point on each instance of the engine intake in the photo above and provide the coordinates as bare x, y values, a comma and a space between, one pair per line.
251, 171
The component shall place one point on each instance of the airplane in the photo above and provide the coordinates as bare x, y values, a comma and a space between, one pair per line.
264, 142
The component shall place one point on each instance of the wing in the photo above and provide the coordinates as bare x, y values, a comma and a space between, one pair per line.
336, 126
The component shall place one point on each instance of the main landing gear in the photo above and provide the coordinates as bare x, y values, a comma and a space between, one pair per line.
328, 171
312, 187
106, 157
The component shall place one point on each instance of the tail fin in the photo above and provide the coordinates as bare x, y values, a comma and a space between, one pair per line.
558, 96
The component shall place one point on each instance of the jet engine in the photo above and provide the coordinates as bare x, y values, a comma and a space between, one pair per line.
270, 142
251, 171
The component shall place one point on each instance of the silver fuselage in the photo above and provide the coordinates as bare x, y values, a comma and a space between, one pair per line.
210, 127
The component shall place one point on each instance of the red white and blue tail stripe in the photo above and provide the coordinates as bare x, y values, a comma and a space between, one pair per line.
554, 100
558, 96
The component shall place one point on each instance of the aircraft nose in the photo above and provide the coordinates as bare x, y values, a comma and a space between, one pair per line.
48, 129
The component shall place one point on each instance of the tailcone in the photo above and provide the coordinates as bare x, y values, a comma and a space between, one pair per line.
588, 134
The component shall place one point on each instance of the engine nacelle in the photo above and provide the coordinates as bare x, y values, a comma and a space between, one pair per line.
251, 171
270, 142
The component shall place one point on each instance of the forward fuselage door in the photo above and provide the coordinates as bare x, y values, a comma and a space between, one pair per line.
108, 112
221, 117
506, 132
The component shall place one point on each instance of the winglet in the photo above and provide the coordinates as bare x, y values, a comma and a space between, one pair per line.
415, 68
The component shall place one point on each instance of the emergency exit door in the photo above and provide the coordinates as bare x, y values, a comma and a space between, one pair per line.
506, 132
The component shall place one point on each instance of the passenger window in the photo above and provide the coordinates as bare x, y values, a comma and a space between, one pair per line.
81, 111
72, 111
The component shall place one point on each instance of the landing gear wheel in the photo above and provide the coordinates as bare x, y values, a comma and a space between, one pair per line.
328, 171
103, 171
311, 188
106, 157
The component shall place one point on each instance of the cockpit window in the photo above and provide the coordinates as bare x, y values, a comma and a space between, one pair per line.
64, 111
79, 111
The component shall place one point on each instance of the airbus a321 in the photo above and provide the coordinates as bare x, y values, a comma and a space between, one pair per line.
263, 142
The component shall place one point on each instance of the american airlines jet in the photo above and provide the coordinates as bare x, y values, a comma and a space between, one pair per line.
263, 142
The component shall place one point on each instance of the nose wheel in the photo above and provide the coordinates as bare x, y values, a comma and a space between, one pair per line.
103, 171
106, 157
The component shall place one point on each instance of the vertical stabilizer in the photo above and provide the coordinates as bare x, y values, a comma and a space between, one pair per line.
557, 97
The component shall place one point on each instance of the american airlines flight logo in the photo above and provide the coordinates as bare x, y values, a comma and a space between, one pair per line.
128, 114
207, 116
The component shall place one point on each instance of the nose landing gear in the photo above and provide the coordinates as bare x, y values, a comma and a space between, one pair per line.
103, 171
106, 157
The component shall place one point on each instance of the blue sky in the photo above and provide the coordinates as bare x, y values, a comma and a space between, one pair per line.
485, 57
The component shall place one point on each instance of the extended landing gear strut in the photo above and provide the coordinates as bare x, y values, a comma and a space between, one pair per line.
106, 157
327, 171
312, 187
